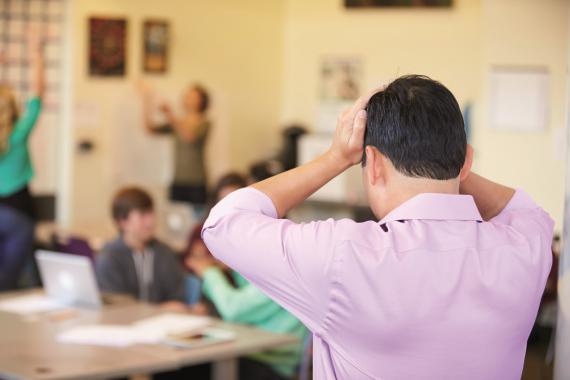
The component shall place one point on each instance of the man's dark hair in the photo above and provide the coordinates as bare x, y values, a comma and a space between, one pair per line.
417, 123
129, 199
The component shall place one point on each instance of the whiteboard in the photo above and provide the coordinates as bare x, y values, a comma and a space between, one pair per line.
345, 188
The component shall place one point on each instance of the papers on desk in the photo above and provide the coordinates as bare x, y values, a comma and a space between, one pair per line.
147, 331
101, 335
31, 304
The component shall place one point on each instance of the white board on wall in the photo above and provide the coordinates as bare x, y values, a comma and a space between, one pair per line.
519, 98
139, 157
345, 188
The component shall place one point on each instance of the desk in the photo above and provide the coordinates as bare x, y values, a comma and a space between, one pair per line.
29, 349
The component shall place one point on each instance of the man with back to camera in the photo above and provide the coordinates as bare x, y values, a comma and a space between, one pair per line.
445, 286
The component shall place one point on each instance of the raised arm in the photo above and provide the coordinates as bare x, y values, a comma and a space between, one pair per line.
36, 58
491, 198
189, 129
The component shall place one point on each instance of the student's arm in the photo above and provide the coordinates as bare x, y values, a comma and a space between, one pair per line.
491, 198
187, 130
149, 125
37, 64
246, 304
28, 119
295, 264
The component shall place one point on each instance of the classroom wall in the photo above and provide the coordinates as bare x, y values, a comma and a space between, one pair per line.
261, 61
526, 33
233, 48
456, 46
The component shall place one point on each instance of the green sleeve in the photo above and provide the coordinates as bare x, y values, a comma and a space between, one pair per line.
26, 123
246, 304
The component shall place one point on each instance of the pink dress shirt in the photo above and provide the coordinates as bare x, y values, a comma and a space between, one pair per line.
429, 292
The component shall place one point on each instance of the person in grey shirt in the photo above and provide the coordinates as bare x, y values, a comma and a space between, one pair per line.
136, 263
190, 132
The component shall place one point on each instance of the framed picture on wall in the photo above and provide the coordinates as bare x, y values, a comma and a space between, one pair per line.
155, 46
107, 46
397, 3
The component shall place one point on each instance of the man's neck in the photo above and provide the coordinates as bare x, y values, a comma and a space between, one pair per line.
406, 188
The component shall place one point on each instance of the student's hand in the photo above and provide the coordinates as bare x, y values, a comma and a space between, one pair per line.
348, 144
174, 306
200, 264
199, 309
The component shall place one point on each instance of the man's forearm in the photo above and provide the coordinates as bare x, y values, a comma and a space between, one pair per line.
490, 197
292, 187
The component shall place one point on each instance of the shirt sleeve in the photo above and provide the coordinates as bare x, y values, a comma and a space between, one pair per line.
27, 121
526, 217
533, 225
291, 263
173, 279
246, 304
109, 276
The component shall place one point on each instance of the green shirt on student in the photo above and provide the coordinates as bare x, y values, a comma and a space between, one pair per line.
248, 305
15, 164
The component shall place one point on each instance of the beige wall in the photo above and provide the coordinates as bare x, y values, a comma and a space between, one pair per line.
456, 46
233, 48
528, 33
261, 61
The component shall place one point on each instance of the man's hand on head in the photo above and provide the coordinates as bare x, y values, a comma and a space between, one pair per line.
348, 143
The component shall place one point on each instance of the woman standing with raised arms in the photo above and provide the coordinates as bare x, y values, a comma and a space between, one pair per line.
16, 170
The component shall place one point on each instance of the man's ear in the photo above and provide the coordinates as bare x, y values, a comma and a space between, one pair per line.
466, 169
373, 165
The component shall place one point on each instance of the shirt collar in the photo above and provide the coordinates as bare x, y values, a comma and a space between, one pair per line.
433, 206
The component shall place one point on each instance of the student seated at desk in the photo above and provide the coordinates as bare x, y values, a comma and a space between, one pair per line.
136, 263
244, 303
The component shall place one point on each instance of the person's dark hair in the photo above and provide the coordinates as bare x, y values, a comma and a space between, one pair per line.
205, 97
230, 179
129, 199
417, 123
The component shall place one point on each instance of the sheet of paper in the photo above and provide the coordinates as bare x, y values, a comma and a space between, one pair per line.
146, 331
519, 99
32, 304
154, 329
101, 335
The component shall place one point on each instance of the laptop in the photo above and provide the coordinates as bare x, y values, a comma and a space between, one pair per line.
68, 279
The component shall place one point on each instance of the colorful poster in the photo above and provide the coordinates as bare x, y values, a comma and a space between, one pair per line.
107, 46
155, 46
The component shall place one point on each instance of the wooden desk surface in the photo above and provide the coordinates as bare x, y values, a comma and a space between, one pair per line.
29, 349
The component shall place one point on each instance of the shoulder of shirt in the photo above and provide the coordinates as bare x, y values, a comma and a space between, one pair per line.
161, 248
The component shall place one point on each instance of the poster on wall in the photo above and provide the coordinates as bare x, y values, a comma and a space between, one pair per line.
519, 98
155, 46
341, 82
396, 3
107, 46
